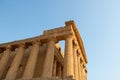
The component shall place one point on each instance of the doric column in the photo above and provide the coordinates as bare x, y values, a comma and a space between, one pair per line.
59, 71
81, 68
30, 67
79, 72
54, 68
68, 57
4, 59
75, 64
48, 62
85, 74
11, 75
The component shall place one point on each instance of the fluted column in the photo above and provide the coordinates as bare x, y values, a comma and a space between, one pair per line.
30, 67
4, 60
85, 74
79, 72
75, 64
48, 62
54, 68
11, 75
68, 57
59, 71
82, 74
81, 68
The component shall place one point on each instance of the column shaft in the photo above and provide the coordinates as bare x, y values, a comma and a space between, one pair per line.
82, 74
59, 71
48, 62
4, 60
85, 75
75, 64
68, 57
54, 68
11, 75
30, 67
79, 72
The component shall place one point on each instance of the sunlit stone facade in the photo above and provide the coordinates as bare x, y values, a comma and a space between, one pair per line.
41, 57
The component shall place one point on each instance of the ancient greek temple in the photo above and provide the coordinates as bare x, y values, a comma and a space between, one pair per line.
42, 58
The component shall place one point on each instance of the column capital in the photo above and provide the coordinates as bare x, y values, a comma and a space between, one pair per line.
36, 42
78, 52
69, 36
84, 66
75, 42
75, 47
8, 47
81, 59
22, 45
53, 39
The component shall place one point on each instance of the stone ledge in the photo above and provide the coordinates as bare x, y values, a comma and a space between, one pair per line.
53, 78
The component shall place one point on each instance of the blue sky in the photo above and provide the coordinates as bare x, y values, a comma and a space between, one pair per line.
98, 22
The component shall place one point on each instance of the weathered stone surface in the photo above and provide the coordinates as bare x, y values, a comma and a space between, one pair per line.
41, 58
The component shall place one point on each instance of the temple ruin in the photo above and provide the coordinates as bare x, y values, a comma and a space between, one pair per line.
42, 58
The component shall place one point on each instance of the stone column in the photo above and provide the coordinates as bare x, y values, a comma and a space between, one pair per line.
68, 57
85, 74
30, 67
4, 60
11, 75
81, 68
75, 64
79, 73
59, 71
54, 68
48, 62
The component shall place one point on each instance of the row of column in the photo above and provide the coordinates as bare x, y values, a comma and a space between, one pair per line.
12, 72
71, 61
30, 66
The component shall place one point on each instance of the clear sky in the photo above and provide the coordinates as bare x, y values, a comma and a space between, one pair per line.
98, 22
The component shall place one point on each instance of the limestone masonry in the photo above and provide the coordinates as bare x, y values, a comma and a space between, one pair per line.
41, 58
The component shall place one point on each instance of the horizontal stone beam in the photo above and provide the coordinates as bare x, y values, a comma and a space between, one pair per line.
59, 34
